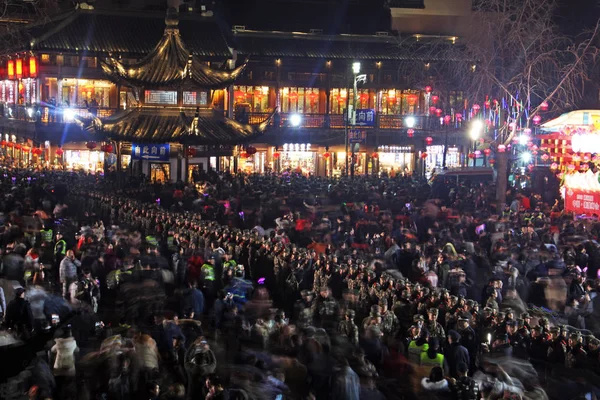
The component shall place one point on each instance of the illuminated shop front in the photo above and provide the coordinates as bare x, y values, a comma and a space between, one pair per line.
255, 97
79, 92
339, 163
253, 164
298, 157
86, 160
395, 159
301, 100
435, 158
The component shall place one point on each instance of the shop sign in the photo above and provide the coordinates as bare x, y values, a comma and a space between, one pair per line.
357, 136
365, 117
582, 202
154, 152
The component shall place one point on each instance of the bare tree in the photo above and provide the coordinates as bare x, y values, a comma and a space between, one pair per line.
515, 60
15, 14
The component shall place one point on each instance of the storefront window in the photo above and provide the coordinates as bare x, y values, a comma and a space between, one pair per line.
86, 160
398, 102
300, 100
435, 158
160, 172
395, 160
256, 97
77, 92
298, 158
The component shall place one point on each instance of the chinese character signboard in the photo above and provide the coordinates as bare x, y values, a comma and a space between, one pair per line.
582, 202
154, 152
357, 136
365, 117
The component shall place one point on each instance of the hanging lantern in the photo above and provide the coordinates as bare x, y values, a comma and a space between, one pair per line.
535, 153
586, 158
488, 104
428, 140
59, 152
544, 106
19, 68
435, 99
481, 140
428, 89
91, 145
537, 119
516, 139
576, 158
530, 167
584, 167
375, 155
243, 155
109, 148
191, 152
10, 69
33, 67
276, 155
527, 131
487, 152
424, 155
472, 155
432, 110
458, 117
26, 149
476, 108
3, 143
447, 119
571, 167
18, 146
545, 157
10, 145
412, 99
103, 148
410, 132
251, 150
439, 112
553, 165
501, 148
326, 155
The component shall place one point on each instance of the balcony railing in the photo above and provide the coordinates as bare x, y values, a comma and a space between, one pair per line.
46, 114
337, 121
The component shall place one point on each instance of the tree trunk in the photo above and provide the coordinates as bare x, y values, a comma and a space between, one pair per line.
501, 180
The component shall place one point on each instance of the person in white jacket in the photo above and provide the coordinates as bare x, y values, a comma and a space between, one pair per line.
65, 349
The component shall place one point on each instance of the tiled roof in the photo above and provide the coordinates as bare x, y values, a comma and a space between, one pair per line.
102, 33
171, 125
279, 44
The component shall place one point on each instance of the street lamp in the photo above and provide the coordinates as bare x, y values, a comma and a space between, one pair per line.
350, 117
356, 68
295, 120
409, 122
475, 133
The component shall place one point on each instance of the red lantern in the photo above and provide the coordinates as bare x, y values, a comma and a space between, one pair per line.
26, 149
553, 165
434, 99
423, 155
276, 155
91, 145
439, 112
326, 155
458, 117
487, 152
428, 89
537, 119
375, 155
476, 108
191, 152
3, 143
491, 161
501, 148
244, 155
103, 147
447, 119
544, 106
10, 68
59, 152
10, 145
33, 67
472, 155
412, 99
19, 68
410, 132
428, 140
18, 146
432, 110
109, 148
530, 167
250, 150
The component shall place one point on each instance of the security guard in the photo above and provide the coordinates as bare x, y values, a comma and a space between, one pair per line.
46, 234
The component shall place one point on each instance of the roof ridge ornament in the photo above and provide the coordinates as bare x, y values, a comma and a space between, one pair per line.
172, 20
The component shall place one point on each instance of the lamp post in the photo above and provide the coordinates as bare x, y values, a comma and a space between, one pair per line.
475, 133
350, 117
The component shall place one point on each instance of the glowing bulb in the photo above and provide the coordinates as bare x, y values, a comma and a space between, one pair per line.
295, 120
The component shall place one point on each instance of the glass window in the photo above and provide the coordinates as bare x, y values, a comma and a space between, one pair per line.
256, 97
338, 100
160, 172
300, 100
161, 97
189, 98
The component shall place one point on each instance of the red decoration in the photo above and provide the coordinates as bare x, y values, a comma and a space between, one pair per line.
18, 146
491, 161
487, 152
109, 148
326, 155
10, 67
410, 132
501, 148
476, 108
412, 99
10, 144
91, 145
439, 112
447, 119
276, 155
458, 116
428, 140
537, 119
19, 68
544, 106
434, 99
472, 155
59, 152
26, 149
33, 67
428, 89
191, 152
3, 143
553, 165
244, 155
432, 110
423, 155
375, 155
250, 150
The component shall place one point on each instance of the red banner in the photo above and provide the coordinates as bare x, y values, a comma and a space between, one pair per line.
582, 202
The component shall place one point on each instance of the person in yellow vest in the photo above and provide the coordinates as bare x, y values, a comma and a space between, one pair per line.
46, 235
432, 357
416, 347
208, 281
60, 248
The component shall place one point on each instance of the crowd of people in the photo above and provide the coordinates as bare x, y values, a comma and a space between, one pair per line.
288, 287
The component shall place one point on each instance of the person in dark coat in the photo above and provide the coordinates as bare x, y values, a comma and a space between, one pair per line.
18, 314
455, 354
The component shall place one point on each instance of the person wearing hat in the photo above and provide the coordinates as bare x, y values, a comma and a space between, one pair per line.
417, 346
389, 322
468, 337
60, 247
374, 318
455, 355
593, 355
538, 350
433, 326
576, 356
558, 347
462, 386
432, 357
207, 277
526, 317
347, 328
18, 314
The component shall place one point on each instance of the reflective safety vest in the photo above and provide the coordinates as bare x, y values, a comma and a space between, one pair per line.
60, 248
151, 240
414, 351
209, 272
171, 243
438, 361
46, 235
